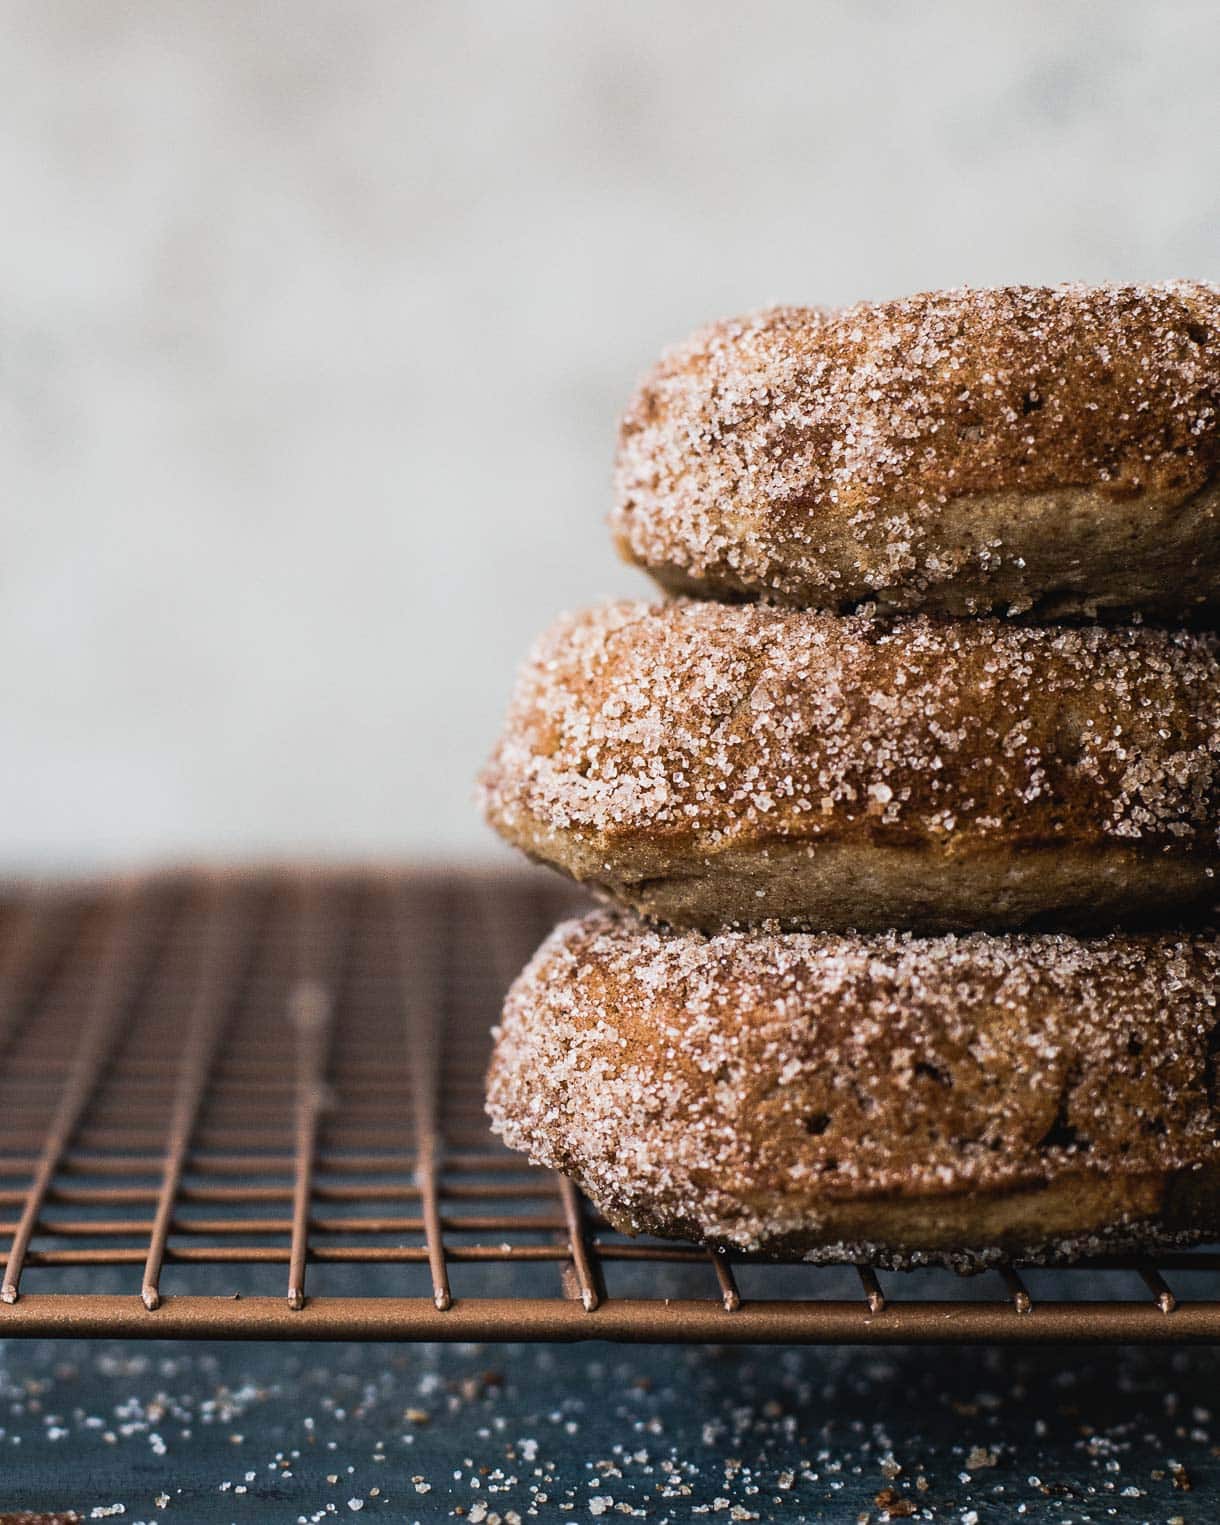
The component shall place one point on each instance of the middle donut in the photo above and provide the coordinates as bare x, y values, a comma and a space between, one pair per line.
714, 765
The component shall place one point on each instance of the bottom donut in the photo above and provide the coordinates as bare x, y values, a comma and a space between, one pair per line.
887, 1098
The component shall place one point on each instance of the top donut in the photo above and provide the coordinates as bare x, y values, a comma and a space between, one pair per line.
1044, 451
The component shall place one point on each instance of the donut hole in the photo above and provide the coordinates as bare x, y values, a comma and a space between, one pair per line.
866, 1102
829, 1166
933, 1072
1031, 402
1135, 1046
817, 1123
1062, 1133
1070, 736
1197, 333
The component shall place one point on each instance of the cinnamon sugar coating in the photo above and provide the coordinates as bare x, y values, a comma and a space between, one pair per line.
901, 1098
712, 764
1053, 450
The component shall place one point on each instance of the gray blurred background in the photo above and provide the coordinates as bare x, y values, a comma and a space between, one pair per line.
316, 319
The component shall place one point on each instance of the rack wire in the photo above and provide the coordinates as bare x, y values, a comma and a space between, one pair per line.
250, 1106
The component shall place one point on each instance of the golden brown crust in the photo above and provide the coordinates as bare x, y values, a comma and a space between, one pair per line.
712, 764
1054, 449
902, 1098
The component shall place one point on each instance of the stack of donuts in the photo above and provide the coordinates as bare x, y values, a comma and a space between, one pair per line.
905, 802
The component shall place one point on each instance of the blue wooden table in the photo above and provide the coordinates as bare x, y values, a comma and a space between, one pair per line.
273, 1433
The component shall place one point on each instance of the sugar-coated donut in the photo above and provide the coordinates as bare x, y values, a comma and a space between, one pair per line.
1052, 451
713, 764
887, 1098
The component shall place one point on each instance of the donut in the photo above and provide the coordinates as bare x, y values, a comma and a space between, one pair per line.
713, 764
890, 1098
1046, 451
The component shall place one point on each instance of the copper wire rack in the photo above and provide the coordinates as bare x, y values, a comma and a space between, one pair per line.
250, 1106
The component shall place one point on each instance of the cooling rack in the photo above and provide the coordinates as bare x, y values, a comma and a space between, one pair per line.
250, 1106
